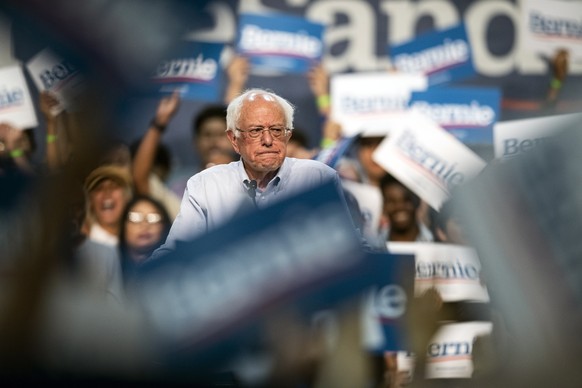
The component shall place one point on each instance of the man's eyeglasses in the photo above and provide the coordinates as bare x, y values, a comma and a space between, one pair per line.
256, 132
150, 218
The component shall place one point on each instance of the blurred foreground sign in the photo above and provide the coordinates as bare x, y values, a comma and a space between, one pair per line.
209, 289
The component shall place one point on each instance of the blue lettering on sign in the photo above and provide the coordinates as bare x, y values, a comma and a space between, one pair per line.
57, 73
446, 270
444, 171
546, 25
10, 98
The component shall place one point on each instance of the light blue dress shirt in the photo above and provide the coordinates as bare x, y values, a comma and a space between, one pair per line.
216, 194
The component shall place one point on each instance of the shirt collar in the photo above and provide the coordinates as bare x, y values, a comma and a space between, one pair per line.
281, 176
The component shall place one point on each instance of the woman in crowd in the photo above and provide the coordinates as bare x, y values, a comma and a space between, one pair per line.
145, 223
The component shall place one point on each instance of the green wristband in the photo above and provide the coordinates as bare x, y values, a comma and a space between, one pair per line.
323, 102
50, 138
556, 84
17, 153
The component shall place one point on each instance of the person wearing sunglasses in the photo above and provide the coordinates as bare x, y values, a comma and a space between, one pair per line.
259, 125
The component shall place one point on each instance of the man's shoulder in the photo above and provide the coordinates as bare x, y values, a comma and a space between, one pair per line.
311, 165
218, 170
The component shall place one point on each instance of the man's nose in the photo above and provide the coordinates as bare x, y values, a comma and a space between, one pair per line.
266, 137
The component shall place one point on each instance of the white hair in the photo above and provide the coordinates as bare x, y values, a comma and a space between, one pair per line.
234, 109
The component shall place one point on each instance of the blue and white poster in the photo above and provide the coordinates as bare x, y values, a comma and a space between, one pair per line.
279, 44
388, 302
443, 56
469, 114
303, 252
193, 70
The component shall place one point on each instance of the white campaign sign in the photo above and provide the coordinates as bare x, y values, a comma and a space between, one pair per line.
515, 137
16, 107
362, 98
548, 25
454, 270
449, 352
56, 75
426, 158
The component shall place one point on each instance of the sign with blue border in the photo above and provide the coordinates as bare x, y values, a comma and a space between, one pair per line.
469, 114
279, 44
193, 70
208, 292
443, 56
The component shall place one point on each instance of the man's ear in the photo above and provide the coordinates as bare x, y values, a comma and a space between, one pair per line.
232, 139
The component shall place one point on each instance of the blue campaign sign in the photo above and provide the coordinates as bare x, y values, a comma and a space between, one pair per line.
443, 56
193, 69
209, 291
279, 44
467, 113
391, 297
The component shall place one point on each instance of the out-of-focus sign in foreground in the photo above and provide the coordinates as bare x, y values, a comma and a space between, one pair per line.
210, 289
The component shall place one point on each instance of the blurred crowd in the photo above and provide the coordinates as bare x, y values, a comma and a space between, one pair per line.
70, 256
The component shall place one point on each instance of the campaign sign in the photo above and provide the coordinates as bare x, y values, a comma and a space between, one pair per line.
467, 113
549, 25
387, 302
16, 107
362, 100
278, 44
516, 137
57, 75
449, 352
208, 290
426, 158
443, 56
193, 70
454, 270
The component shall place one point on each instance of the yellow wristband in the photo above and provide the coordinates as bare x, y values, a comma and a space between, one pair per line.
50, 138
324, 101
16, 153
327, 143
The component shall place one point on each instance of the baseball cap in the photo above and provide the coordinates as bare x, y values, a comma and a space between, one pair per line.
113, 172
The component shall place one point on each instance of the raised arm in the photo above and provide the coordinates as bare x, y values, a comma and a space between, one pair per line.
238, 74
49, 105
143, 160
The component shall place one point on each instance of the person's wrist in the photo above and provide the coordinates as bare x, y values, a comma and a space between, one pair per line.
158, 125
556, 83
327, 142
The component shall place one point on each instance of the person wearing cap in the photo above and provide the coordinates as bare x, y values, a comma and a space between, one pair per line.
107, 191
108, 188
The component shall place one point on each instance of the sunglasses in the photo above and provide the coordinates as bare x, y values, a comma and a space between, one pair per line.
150, 218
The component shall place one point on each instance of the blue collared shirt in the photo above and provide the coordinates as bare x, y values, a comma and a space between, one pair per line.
216, 194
